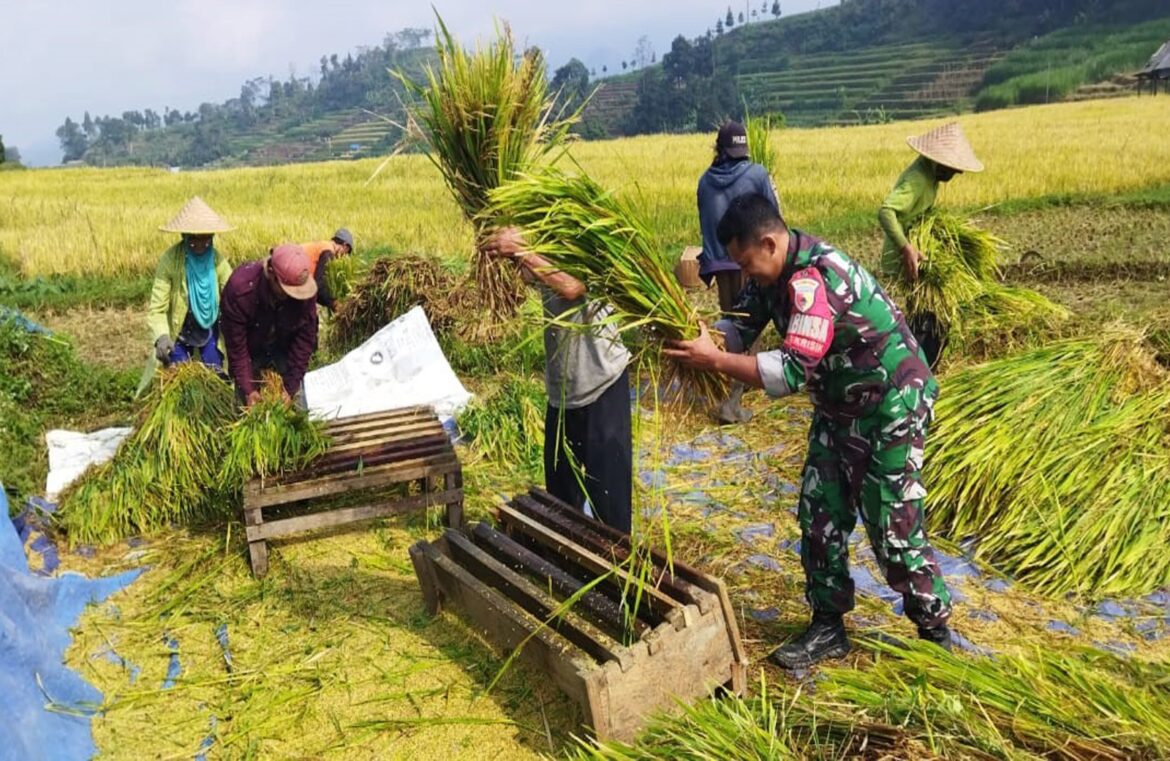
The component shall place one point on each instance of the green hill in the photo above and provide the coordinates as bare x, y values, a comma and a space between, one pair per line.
878, 60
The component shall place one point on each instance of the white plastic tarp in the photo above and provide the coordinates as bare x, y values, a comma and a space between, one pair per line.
71, 453
401, 365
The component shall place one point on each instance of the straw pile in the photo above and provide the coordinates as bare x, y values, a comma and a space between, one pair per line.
1057, 461
591, 234
390, 288
918, 701
959, 283
488, 117
187, 461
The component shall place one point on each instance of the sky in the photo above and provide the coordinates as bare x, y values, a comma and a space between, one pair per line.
61, 59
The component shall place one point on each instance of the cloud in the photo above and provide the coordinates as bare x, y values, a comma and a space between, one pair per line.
64, 58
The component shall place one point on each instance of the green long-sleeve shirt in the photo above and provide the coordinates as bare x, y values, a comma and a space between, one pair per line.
913, 195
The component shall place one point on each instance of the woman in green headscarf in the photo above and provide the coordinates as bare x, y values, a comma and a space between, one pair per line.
184, 302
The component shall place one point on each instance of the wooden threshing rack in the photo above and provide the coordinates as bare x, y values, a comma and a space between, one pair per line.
512, 581
370, 455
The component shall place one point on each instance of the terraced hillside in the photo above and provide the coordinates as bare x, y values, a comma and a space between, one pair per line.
871, 84
609, 105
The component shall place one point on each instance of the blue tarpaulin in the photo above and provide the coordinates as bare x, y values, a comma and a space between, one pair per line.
35, 617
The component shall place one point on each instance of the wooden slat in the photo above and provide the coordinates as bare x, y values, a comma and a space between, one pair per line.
378, 432
353, 463
597, 606
340, 424
692, 575
565, 547
378, 448
385, 475
586, 535
505, 626
533, 601
285, 526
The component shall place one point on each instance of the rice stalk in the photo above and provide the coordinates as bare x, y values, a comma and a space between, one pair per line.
488, 116
763, 727
165, 472
1056, 461
1074, 704
187, 459
342, 273
959, 283
592, 235
759, 133
390, 288
271, 437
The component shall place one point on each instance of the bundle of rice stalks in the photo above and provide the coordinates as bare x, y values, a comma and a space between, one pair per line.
589, 233
488, 117
188, 458
166, 472
390, 288
342, 274
959, 283
759, 132
508, 426
764, 727
1053, 704
270, 438
1057, 461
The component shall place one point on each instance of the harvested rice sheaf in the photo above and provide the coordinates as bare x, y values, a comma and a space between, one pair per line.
959, 282
270, 438
166, 471
488, 116
591, 234
1057, 462
390, 288
187, 459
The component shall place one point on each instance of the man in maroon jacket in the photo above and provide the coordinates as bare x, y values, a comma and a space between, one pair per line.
269, 321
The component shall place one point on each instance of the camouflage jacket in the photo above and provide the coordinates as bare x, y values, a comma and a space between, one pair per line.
844, 339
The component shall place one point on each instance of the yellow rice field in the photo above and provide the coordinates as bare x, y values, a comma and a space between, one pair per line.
104, 221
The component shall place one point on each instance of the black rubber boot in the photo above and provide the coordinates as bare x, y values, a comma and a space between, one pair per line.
939, 635
732, 411
824, 638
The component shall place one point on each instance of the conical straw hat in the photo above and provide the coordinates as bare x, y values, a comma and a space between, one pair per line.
948, 146
196, 218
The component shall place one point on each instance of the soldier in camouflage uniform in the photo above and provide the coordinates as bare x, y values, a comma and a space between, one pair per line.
848, 345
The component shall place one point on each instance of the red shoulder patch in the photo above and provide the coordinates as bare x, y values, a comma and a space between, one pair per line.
810, 324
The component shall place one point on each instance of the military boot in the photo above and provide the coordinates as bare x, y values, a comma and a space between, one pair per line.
939, 635
824, 638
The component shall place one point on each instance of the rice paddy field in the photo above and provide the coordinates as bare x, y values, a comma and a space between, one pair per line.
333, 656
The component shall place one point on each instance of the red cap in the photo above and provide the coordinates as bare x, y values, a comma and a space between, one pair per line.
291, 267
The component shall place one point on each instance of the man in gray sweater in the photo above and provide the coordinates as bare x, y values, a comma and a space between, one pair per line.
588, 446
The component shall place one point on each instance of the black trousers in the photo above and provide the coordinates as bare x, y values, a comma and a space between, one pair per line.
600, 443
931, 335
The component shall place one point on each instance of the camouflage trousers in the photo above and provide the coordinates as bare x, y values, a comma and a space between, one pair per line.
872, 466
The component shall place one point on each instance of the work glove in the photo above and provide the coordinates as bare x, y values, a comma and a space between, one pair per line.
163, 347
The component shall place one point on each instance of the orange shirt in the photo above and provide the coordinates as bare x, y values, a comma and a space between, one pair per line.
316, 249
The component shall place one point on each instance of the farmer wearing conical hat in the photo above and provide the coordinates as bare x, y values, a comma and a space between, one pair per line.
943, 153
848, 345
320, 253
184, 302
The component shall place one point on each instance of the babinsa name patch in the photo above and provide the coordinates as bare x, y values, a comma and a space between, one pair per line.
810, 326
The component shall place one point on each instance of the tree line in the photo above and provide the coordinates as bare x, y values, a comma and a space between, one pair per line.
217, 130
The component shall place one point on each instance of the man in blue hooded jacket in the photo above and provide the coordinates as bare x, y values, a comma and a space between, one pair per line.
732, 174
